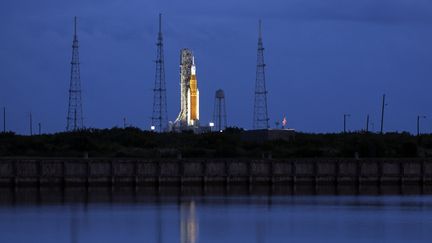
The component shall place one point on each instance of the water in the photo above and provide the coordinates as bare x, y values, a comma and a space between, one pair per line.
223, 219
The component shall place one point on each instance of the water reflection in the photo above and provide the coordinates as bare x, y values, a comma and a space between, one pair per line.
73, 229
224, 219
159, 230
260, 232
188, 223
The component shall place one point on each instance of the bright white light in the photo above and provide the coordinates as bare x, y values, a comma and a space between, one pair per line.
152, 128
211, 124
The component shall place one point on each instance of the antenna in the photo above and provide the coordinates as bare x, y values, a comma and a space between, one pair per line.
31, 124
160, 23
367, 123
260, 116
4, 119
382, 113
259, 30
75, 28
74, 118
160, 116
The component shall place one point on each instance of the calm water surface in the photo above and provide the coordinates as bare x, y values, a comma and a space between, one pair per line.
225, 219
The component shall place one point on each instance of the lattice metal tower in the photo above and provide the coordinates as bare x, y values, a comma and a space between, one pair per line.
75, 120
186, 59
219, 112
260, 116
160, 117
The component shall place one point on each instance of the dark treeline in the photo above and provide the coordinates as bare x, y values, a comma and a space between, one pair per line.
135, 143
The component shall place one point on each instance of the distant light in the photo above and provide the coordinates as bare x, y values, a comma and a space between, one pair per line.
211, 124
152, 128
220, 130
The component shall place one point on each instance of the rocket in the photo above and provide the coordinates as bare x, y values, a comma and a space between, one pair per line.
189, 93
193, 97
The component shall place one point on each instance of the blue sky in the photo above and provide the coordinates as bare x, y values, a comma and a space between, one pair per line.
324, 59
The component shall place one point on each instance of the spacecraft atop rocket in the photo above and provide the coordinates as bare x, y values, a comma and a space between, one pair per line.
189, 92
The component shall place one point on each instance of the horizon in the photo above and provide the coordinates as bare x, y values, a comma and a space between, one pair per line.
321, 62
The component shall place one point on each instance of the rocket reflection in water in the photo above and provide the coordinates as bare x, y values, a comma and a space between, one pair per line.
188, 223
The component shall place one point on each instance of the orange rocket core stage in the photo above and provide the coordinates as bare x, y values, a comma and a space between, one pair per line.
193, 98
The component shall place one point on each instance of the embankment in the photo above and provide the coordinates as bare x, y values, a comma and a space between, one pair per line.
156, 172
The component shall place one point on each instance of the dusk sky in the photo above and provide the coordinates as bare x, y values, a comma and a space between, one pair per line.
324, 59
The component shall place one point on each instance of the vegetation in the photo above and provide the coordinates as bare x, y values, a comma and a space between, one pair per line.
133, 142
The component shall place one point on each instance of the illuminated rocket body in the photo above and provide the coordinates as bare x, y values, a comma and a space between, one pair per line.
193, 98
189, 93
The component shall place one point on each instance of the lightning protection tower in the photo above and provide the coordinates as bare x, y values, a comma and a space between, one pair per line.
260, 116
219, 112
160, 117
75, 114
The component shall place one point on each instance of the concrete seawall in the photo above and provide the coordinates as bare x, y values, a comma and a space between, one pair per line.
157, 172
